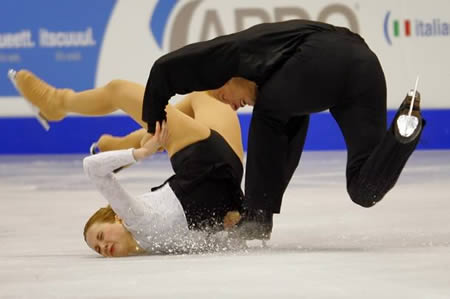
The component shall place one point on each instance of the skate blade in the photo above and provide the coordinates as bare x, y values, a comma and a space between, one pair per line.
93, 150
35, 110
412, 93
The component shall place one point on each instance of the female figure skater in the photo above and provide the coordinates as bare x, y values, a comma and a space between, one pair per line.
188, 212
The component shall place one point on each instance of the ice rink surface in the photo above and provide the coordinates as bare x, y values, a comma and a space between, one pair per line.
323, 245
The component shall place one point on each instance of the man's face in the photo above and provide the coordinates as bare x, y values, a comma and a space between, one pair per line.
237, 92
110, 239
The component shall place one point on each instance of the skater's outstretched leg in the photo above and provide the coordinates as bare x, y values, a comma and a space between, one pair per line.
55, 103
42, 95
108, 142
376, 158
187, 116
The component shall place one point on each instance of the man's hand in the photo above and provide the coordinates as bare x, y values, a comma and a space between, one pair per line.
151, 143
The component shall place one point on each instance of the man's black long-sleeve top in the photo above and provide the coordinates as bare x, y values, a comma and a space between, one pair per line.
252, 54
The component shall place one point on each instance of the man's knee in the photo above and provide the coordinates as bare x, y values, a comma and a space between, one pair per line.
364, 197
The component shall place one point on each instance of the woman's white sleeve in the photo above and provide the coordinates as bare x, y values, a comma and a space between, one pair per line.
99, 168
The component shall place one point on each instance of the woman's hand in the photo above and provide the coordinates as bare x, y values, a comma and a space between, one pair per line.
151, 144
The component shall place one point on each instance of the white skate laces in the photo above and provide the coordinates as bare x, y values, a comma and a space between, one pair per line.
44, 123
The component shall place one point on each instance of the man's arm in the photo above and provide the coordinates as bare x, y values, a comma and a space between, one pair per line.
196, 67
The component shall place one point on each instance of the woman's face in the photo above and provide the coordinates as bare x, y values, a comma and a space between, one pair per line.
111, 239
237, 92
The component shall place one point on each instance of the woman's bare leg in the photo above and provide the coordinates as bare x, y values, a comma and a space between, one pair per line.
185, 105
219, 117
183, 130
188, 122
55, 103
133, 140
211, 114
199, 113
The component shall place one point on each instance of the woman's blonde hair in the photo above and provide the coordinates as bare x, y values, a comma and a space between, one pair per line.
105, 214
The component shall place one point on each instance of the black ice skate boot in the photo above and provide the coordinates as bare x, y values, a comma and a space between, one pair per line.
254, 224
408, 123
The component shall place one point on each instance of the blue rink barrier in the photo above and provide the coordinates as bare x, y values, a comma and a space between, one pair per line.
75, 134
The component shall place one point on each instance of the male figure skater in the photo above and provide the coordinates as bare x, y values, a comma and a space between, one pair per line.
287, 71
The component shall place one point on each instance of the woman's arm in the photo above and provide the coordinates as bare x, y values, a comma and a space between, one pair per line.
99, 168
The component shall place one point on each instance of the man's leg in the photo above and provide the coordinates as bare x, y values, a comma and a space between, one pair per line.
268, 172
264, 177
296, 130
375, 157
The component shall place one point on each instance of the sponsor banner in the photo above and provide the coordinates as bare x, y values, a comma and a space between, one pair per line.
404, 53
84, 44
61, 40
122, 39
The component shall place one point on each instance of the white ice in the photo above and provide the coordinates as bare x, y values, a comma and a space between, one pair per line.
323, 245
